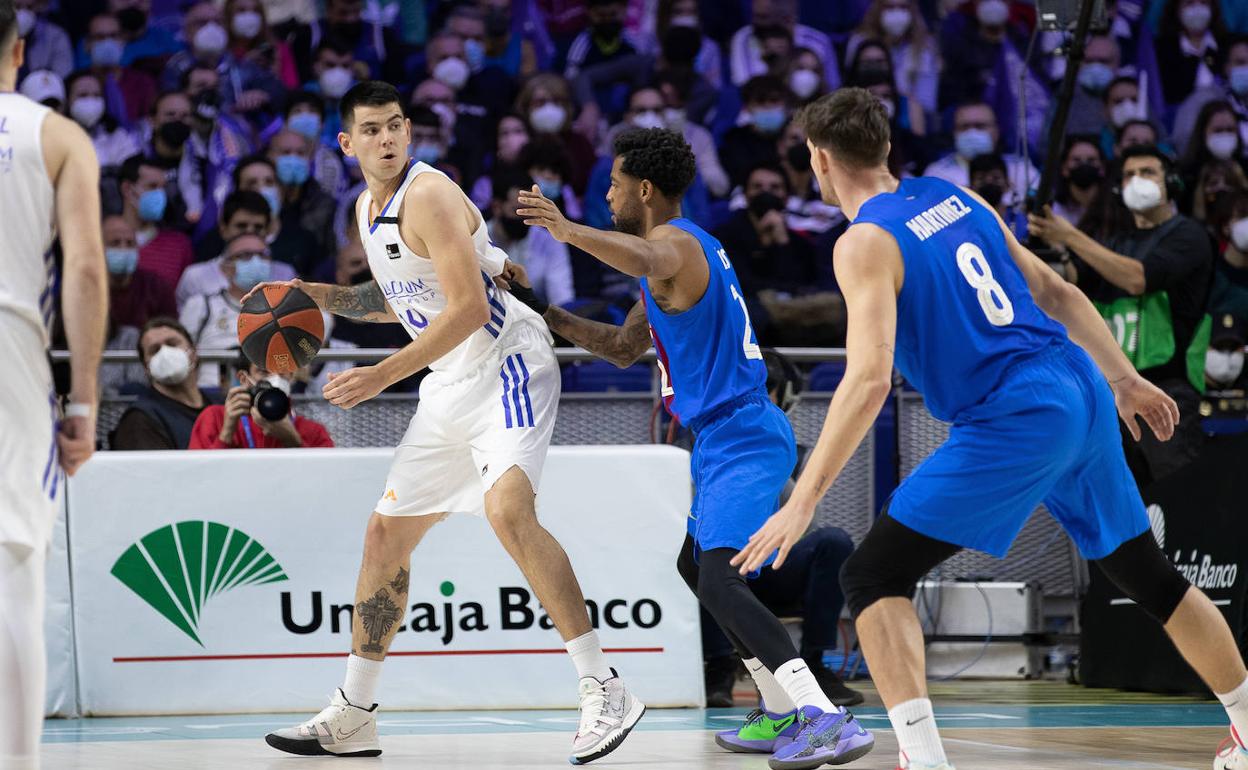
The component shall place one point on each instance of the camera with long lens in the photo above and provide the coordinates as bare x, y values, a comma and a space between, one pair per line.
270, 401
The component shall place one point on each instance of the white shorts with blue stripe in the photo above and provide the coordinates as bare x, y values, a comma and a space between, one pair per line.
30, 472
468, 431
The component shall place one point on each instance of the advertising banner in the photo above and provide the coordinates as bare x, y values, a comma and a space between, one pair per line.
213, 582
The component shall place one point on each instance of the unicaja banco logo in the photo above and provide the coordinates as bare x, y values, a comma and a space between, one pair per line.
178, 568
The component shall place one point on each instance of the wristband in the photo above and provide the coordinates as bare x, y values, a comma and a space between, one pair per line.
78, 410
525, 294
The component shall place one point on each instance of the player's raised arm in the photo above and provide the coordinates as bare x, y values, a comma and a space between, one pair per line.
869, 270
84, 297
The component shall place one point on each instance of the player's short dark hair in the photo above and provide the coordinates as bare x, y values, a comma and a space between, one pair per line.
8, 22
157, 322
245, 200
851, 124
1147, 151
658, 154
250, 160
297, 98
506, 179
370, 93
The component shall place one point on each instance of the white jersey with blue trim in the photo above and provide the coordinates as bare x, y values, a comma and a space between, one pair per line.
28, 208
410, 283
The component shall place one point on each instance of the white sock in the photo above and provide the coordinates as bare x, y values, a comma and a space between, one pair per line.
1236, 704
775, 699
795, 677
361, 683
587, 656
915, 727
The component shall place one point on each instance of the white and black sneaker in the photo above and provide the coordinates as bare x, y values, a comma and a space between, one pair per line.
342, 729
608, 713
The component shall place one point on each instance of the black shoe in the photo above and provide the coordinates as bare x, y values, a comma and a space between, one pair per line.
721, 676
834, 687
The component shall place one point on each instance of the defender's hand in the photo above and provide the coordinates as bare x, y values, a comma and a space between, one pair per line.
1136, 396
539, 210
782, 531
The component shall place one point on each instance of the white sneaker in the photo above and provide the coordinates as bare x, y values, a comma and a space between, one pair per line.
608, 713
1230, 756
341, 729
904, 763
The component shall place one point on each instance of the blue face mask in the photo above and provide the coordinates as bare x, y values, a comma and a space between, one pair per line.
1095, 76
1239, 80
121, 261
427, 152
769, 120
249, 272
306, 124
474, 54
293, 170
973, 142
550, 188
107, 52
152, 205
274, 198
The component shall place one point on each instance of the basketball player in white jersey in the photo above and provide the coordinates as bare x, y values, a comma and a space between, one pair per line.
49, 182
479, 437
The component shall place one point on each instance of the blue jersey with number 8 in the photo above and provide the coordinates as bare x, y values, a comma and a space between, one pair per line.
708, 354
965, 314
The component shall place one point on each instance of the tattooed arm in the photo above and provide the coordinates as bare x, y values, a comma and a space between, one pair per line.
362, 302
621, 345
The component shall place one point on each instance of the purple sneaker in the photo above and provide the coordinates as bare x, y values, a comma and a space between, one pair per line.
831, 738
762, 733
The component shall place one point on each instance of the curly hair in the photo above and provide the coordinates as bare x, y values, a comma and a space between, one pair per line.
658, 154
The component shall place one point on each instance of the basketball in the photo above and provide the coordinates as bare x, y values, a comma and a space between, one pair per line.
280, 329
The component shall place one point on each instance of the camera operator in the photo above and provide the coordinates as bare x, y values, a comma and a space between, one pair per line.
256, 415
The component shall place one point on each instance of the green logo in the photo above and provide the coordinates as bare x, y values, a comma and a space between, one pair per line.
177, 568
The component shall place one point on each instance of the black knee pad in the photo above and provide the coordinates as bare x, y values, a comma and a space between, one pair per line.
686, 566
865, 582
889, 563
1141, 570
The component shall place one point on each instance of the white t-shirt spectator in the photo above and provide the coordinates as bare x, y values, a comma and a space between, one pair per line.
207, 278
212, 320
746, 60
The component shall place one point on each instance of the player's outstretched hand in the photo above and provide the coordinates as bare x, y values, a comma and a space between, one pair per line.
294, 282
76, 441
782, 531
1136, 396
346, 389
539, 210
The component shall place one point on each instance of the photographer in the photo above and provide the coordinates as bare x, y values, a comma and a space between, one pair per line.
256, 415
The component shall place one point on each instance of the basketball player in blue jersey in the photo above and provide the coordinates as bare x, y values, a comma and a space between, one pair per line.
714, 381
1034, 383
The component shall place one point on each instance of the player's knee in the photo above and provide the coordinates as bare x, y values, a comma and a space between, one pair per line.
687, 566
1142, 572
389, 538
865, 581
510, 522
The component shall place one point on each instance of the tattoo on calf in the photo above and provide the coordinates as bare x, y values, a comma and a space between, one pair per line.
377, 615
399, 584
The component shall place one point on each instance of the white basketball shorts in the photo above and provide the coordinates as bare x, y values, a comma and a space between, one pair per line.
30, 472
468, 431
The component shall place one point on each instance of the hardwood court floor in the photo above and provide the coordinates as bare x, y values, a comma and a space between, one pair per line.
987, 726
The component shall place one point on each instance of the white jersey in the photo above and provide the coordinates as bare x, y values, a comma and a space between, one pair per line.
27, 214
411, 286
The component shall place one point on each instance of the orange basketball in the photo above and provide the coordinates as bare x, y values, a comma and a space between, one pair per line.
280, 329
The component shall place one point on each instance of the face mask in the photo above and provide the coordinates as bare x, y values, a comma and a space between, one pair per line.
452, 72
249, 272
509, 145
1223, 144
175, 134
515, 228
973, 142
335, 82
1122, 112
804, 83
210, 40
132, 19
548, 118
87, 110
684, 20
247, 24
1239, 80
274, 197
1224, 366
1239, 234
121, 261
1095, 76
1084, 176
648, 119
306, 124
1141, 194
764, 202
992, 193
550, 188
107, 52
427, 152
152, 205
895, 21
170, 365
279, 382
1195, 18
992, 13
474, 53
674, 118
798, 156
25, 22
768, 120
292, 170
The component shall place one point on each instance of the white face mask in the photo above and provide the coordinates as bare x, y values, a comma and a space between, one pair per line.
992, 13
247, 24
170, 365
895, 21
1222, 145
1224, 366
87, 110
1124, 111
1141, 194
210, 40
452, 72
684, 20
335, 82
279, 382
1195, 18
548, 118
1239, 235
804, 83
649, 119
674, 117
